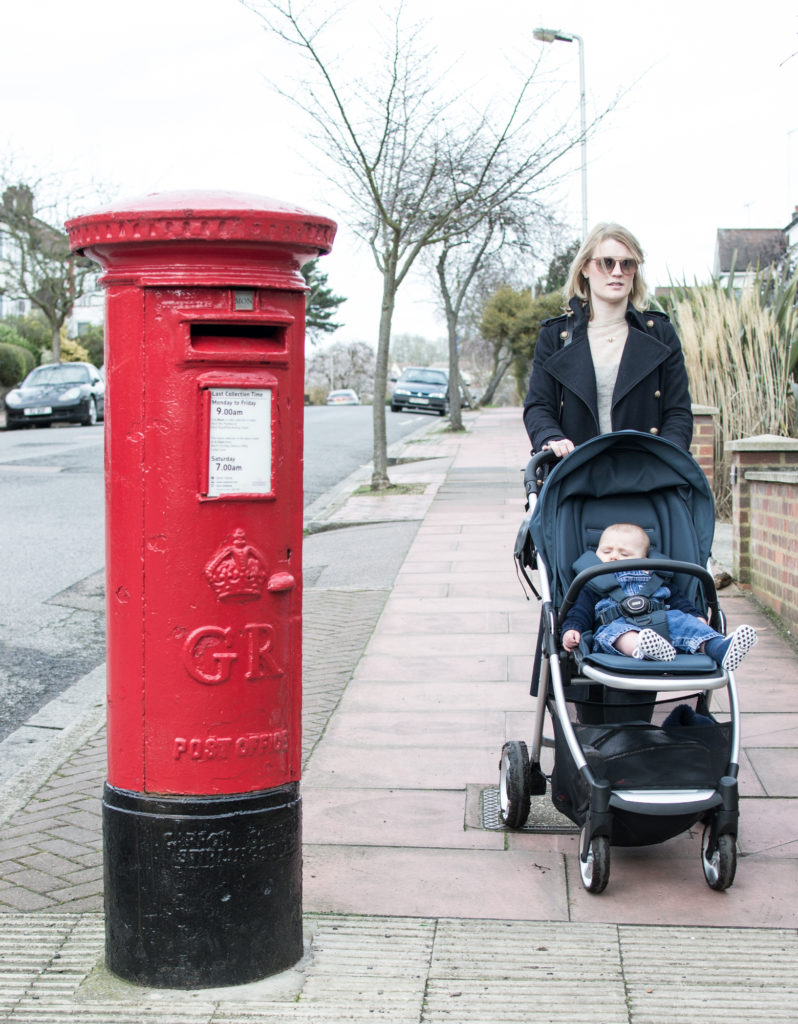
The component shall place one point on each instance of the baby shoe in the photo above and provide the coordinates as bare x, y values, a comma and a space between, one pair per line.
653, 646
740, 643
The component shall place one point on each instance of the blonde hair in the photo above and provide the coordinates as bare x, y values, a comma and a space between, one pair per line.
631, 530
578, 285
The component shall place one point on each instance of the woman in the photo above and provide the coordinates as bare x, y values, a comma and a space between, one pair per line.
605, 365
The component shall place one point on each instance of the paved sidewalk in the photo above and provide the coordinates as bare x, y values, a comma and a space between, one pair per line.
418, 907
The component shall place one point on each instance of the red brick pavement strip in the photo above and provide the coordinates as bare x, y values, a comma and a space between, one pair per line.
50, 854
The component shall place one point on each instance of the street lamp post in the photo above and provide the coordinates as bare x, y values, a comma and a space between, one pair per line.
553, 35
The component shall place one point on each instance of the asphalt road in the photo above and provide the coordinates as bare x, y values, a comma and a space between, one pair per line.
339, 440
52, 628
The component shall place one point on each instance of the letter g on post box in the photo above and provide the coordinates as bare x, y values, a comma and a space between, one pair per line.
205, 383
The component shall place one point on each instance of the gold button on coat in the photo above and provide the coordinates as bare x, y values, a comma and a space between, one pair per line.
563, 335
654, 430
649, 323
658, 394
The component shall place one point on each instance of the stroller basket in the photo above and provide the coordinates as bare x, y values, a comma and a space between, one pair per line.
635, 758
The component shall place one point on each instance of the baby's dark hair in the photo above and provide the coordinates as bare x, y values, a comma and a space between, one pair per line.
633, 529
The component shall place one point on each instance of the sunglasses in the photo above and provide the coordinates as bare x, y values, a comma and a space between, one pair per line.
607, 264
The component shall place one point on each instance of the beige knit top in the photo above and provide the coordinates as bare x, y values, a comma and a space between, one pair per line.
607, 339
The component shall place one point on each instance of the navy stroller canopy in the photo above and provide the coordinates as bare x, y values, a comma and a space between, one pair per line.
624, 477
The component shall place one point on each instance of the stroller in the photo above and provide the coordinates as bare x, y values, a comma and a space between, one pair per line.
638, 756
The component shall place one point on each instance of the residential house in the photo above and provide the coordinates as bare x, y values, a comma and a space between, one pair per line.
746, 250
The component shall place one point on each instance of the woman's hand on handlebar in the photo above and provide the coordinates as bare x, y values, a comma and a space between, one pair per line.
560, 448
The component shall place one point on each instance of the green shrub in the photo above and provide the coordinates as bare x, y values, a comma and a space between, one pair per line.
29, 359
12, 364
33, 331
8, 336
73, 352
92, 340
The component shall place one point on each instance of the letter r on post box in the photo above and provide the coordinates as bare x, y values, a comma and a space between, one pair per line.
260, 663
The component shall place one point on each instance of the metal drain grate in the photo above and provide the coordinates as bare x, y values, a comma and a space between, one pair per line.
543, 815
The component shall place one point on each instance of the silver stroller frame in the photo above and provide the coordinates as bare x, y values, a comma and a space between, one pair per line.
521, 775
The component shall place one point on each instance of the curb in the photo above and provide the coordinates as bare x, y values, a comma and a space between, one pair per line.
317, 515
40, 751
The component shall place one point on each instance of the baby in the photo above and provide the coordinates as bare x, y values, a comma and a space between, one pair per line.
616, 634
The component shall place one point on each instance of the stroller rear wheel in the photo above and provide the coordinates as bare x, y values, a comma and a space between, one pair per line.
595, 869
721, 866
514, 789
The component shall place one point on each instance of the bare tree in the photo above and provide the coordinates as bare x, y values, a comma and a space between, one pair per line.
411, 163
509, 233
415, 350
36, 262
458, 261
342, 366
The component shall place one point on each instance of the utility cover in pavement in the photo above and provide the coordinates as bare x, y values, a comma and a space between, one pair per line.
543, 815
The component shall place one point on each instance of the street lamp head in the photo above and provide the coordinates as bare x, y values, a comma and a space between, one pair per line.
552, 35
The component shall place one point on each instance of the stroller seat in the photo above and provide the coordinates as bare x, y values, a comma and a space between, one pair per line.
666, 519
683, 664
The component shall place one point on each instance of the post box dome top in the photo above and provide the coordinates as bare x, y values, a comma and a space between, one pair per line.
201, 216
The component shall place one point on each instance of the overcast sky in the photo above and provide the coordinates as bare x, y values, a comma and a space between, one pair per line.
172, 94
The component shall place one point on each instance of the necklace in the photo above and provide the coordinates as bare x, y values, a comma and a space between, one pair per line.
607, 330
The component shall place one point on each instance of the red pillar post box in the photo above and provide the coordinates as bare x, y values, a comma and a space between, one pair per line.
205, 373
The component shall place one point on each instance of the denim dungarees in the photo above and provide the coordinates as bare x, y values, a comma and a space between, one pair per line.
687, 633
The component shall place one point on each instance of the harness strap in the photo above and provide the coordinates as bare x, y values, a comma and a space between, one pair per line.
623, 611
653, 615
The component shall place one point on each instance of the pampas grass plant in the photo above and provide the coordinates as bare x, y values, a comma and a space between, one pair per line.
739, 347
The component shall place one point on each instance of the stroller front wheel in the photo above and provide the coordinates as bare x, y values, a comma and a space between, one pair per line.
595, 868
721, 867
514, 788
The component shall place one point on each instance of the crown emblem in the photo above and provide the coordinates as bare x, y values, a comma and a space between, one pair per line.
237, 570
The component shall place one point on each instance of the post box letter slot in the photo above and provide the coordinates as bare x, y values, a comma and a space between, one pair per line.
239, 441
238, 340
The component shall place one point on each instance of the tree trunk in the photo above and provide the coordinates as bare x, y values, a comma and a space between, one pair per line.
500, 367
56, 344
379, 477
455, 414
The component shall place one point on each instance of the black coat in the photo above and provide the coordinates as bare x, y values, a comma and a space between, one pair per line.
651, 392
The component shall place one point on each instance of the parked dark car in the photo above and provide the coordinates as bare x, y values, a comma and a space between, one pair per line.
57, 393
422, 388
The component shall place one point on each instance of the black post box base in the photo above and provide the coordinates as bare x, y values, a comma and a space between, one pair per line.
202, 892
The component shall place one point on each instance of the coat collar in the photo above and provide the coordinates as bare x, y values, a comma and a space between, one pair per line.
579, 311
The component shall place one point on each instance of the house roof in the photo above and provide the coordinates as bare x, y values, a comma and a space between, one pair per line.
753, 246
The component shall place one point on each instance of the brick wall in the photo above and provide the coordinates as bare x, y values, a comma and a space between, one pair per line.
703, 446
765, 521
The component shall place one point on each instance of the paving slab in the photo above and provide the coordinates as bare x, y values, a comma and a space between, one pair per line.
449, 766
776, 768
392, 818
649, 887
504, 885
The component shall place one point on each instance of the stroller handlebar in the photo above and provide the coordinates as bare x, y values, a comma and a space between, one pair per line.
537, 470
